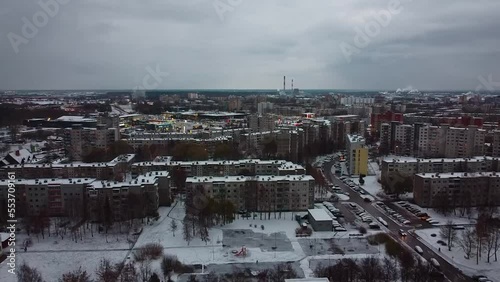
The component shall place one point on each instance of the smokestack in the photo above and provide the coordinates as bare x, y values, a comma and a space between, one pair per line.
292, 84
284, 83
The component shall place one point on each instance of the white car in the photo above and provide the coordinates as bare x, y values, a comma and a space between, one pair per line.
419, 250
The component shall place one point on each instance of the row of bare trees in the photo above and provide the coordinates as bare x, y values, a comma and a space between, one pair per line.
203, 212
275, 274
106, 271
481, 240
374, 269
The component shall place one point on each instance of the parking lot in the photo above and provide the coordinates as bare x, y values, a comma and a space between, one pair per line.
362, 217
394, 215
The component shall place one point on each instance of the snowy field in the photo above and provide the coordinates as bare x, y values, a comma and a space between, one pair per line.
456, 256
54, 256
53, 265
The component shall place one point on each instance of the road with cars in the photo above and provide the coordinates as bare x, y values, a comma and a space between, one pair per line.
394, 227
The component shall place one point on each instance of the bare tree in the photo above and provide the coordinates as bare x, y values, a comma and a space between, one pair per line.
28, 274
129, 273
447, 232
173, 226
370, 269
389, 270
187, 230
76, 276
467, 242
145, 270
106, 272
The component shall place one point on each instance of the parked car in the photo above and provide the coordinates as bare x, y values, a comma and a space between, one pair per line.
402, 232
419, 250
435, 263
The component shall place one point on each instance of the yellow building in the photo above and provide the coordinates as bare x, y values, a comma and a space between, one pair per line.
361, 161
357, 155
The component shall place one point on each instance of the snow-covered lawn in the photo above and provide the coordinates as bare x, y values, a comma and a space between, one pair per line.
52, 265
456, 256
371, 185
442, 219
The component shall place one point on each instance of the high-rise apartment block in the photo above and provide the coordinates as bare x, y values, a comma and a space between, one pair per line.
357, 155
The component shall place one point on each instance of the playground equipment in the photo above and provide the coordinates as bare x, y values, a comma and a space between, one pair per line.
242, 252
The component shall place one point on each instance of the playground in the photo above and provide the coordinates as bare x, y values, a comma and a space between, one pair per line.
236, 238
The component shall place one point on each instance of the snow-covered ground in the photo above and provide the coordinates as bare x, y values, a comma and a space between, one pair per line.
371, 185
53, 265
442, 219
342, 197
456, 256
55, 256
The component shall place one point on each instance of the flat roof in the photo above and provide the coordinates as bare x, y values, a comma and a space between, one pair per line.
355, 138
307, 280
458, 175
402, 159
319, 215
262, 178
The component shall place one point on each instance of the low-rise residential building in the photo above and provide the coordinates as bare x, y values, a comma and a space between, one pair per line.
408, 166
456, 189
263, 193
73, 196
112, 170
136, 198
221, 168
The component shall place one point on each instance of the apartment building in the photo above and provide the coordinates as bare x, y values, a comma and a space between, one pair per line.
264, 107
260, 123
261, 193
80, 141
408, 166
220, 168
495, 145
403, 139
456, 189
73, 196
52, 196
112, 170
145, 194
451, 142
209, 143
357, 155
385, 138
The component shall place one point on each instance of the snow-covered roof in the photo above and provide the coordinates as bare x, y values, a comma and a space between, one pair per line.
307, 280
261, 178
75, 119
48, 181
458, 175
402, 159
319, 215
21, 154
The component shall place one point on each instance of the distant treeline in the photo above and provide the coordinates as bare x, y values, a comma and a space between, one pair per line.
12, 114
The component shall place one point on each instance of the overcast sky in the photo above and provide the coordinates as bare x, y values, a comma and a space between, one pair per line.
250, 44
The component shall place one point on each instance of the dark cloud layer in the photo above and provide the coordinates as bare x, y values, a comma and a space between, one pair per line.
108, 44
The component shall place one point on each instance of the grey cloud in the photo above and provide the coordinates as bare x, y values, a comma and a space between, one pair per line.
109, 43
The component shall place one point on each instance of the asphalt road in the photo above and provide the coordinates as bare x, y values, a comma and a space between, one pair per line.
450, 271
